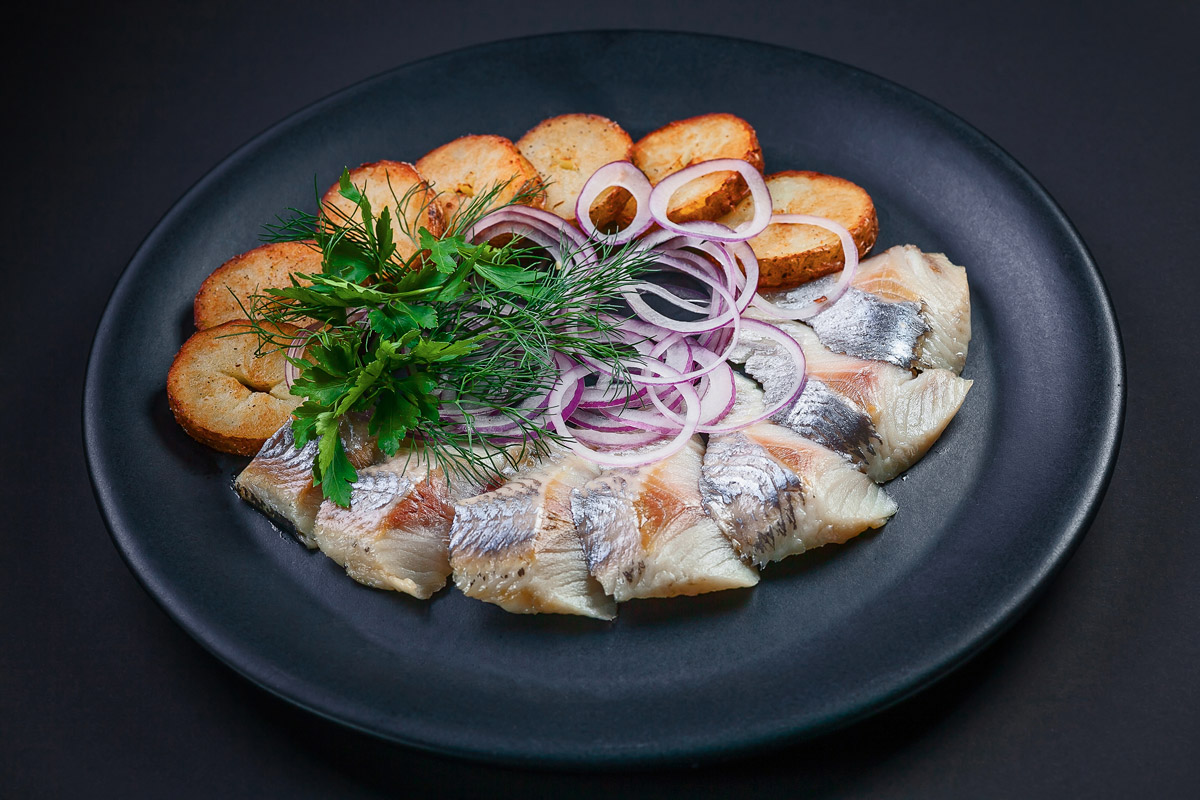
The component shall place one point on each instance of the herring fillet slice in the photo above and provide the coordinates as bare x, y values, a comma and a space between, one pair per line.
645, 532
905, 274
880, 415
517, 546
774, 493
395, 534
905, 307
863, 325
278, 481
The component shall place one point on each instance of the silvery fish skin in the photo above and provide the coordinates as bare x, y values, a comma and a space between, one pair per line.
517, 546
905, 274
774, 493
278, 481
829, 419
905, 414
862, 324
395, 534
645, 532
755, 501
904, 307
819, 413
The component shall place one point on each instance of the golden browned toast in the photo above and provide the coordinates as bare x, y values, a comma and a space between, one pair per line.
226, 294
690, 141
789, 255
472, 165
223, 395
390, 184
566, 150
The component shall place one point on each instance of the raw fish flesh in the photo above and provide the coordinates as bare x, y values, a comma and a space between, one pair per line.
905, 307
881, 416
775, 493
517, 546
278, 481
645, 532
395, 534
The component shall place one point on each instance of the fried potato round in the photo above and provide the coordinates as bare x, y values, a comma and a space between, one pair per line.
226, 294
472, 165
789, 255
223, 395
566, 150
395, 185
689, 141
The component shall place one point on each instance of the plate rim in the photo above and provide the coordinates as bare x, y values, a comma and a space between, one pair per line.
986, 633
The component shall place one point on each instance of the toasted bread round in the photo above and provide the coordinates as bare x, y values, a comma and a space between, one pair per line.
789, 255
690, 141
227, 293
566, 150
473, 165
392, 184
223, 395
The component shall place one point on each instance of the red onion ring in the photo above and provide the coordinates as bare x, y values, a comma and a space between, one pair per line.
574, 377
622, 175
602, 422
850, 252
792, 348
530, 216
660, 199
716, 400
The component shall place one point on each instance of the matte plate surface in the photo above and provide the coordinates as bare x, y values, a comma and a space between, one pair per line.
826, 638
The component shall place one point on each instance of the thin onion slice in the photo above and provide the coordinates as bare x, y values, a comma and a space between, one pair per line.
660, 199
533, 216
793, 390
574, 377
849, 249
621, 175
542, 228
716, 400
746, 278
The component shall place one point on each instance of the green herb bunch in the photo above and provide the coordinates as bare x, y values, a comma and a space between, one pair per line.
470, 327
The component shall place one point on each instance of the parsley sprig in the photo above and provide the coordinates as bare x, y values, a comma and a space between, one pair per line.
474, 327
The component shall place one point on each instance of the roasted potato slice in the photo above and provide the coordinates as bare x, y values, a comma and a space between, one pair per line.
224, 395
566, 150
789, 255
391, 184
225, 294
472, 165
690, 141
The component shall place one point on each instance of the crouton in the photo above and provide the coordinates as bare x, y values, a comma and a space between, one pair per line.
395, 185
789, 255
566, 150
226, 294
472, 165
224, 395
690, 141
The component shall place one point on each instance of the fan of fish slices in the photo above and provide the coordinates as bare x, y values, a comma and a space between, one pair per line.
745, 427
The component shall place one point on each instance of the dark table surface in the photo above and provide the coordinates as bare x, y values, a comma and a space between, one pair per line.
1094, 692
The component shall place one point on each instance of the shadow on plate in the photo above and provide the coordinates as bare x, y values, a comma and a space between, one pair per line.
185, 451
816, 559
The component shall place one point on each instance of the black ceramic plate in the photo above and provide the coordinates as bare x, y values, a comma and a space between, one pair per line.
985, 519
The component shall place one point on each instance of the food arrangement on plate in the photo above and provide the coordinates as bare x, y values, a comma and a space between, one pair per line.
576, 370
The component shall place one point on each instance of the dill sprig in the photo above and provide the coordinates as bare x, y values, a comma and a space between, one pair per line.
476, 328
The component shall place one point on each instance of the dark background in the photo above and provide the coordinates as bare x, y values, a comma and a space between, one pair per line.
1095, 692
